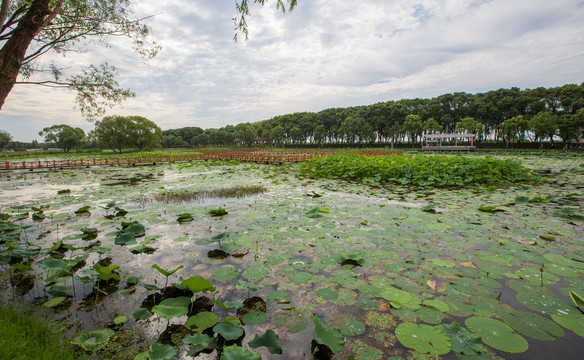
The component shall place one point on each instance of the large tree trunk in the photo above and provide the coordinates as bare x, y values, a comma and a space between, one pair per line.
14, 50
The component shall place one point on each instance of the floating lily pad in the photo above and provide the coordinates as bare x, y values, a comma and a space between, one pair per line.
347, 324
201, 321
199, 342
254, 318
497, 334
256, 272
534, 275
93, 340
54, 301
395, 296
301, 277
423, 338
546, 304
142, 314
571, 322
292, 319
234, 352
327, 294
228, 330
280, 296
462, 340
430, 315
533, 326
225, 273
162, 351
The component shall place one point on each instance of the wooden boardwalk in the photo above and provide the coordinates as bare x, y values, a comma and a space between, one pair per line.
250, 155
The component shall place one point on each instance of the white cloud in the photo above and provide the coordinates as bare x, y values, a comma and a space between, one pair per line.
323, 54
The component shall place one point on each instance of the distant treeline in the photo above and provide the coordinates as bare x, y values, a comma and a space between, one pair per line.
504, 115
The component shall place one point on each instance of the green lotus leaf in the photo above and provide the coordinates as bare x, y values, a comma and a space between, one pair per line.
228, 305
327, 294
125, 238
347, 324
546, 304
443, 262
256, 272
120, 320
54, 301
93, 340
564, 261
462, 340
395, 296
51, 264
173, 307
197, 284
254, 318
142, 249
301, 277
280, 296
242, 284
423, 338
298, 264
577, 299
108, 272
533, 326
162, 351
201, 321
534, 275
430, 315
437, 304
562, 270
203, 340
142, 314
269, 339
225, 273
164, 272
292, 319
234, 352
327, 336
228, 330
571, 322
522, 286
497, 334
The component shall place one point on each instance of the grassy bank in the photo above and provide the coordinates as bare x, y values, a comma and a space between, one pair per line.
26, 336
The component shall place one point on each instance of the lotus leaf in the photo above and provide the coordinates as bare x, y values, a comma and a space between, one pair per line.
269, 339
347, 324
254, 318
225, 273
256, 272
327, 336
430, 315
54, 301
142, 314
162, 351
280, 296
437, 304
201, 321
197, 284
462, 340
93, 340
496, 334
423, 338
571, 322
327, 294
395, 296
546, 304
228, 330
292, 319
199, 342
172, 308
577, 299
532, 325
301, 277
234, 352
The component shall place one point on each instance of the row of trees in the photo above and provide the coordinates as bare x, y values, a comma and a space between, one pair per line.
510, 115
113, 132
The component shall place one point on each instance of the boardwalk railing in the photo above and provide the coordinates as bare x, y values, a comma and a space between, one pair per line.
239, 155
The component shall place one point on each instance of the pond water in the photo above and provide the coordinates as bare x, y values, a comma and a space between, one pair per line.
363, 260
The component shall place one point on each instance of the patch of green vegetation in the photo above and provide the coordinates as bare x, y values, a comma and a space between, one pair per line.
238, 191
27, 336
416, 170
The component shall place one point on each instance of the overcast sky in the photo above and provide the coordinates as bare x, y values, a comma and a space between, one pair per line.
323, 54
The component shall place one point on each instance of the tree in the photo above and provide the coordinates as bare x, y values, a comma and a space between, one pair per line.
470, 126
246, 132
112, 132
513, 130
5, 139
63, 136
33, 28
143, 133
243, 11
121, 132
319, 134
413, 127
570, 126
544, 125
431, 126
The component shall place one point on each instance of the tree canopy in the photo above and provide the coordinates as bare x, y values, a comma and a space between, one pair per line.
123, 132
5, 139
63, 136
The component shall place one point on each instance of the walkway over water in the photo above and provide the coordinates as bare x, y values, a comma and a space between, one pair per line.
250, 155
